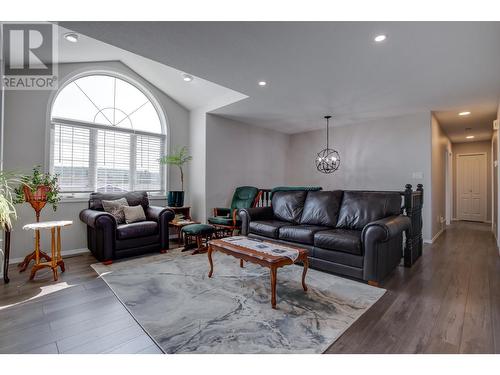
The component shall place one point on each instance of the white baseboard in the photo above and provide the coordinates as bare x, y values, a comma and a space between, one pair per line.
63, 253
435, 237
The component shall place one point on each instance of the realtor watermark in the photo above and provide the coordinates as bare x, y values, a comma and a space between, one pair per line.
29, 52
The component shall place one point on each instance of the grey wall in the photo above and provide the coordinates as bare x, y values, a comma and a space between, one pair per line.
440, 146
240, 154
26, 119
197, 168
381, 154
467, 148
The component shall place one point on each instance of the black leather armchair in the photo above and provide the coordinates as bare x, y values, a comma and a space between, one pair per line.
108, 240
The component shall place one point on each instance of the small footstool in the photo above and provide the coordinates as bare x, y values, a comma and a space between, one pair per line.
195, 235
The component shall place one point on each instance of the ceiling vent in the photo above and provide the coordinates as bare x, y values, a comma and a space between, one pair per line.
495, 124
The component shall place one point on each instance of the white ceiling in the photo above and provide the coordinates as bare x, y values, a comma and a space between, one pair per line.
317, 68
198, 93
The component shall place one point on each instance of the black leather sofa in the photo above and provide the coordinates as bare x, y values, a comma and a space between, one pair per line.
352, 233
108, 241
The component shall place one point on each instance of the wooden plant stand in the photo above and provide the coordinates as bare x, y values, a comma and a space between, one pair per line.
38, 202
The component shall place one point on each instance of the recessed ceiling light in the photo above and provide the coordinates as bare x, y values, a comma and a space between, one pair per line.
380, 38
187, 77
71, 37
262, 83
464, 113
469, 137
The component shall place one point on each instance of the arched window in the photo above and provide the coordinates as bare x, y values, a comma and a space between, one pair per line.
107, 136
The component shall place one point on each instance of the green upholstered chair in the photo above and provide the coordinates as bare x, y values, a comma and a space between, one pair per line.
227, 218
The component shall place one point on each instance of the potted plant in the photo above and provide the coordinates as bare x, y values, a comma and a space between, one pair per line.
38, 189
178, 158
7, 214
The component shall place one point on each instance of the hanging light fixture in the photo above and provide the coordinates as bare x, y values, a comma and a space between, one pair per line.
327, 160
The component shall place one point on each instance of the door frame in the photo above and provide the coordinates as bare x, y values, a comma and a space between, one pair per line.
485, 186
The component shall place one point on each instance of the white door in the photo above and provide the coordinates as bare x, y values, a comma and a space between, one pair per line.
471, 187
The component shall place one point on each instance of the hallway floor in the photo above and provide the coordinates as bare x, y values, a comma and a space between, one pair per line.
448, 302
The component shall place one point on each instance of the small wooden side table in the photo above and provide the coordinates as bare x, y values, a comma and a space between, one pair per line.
56, 259
184, 211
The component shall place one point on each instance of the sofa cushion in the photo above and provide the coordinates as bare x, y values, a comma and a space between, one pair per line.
299, 233
134, 214
345, 240
288, 205
115, 208
133, 198
359, 208
266, 228
321, 208
133, 230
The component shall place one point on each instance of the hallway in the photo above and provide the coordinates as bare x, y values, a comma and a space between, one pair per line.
449, 302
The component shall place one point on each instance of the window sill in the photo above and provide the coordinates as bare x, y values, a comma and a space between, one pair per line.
69, 199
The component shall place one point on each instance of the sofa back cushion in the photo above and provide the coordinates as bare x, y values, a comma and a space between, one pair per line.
359, 208
134, 198
288, 205
322, 208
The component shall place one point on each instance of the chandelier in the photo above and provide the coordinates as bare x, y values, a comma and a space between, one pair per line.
327, 160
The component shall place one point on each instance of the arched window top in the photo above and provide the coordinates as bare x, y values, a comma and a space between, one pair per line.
109, 101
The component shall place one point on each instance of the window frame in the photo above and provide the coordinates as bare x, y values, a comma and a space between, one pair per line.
163, 136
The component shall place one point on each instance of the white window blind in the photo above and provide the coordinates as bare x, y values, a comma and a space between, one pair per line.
113, 161
95, 159
148, 171
71, 157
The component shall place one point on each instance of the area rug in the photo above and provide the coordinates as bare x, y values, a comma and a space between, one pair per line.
184, 311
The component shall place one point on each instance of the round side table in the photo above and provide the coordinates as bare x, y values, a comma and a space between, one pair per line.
55, 234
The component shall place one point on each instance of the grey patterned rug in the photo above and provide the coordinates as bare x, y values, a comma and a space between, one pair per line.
184, 311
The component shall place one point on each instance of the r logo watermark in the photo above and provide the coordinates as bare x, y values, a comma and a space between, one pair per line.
29, 51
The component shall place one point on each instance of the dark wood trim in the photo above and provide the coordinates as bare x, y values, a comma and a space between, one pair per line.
6, 256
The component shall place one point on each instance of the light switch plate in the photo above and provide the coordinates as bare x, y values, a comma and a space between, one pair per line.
418, 175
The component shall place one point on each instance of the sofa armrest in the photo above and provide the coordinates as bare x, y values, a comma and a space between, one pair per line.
101, 233
155, 213
383, 246
384, 229
98, 219
162, 216
251, 214
221, 211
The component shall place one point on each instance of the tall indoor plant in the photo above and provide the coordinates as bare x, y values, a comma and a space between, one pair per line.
179, 157
38, 189
7, 213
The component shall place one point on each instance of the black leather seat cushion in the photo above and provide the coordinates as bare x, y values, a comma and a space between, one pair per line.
288, 205
299, 233
322, 208
266, 228
345, 240
362, 207
133, 230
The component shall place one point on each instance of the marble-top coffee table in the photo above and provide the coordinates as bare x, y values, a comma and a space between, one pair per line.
264, 253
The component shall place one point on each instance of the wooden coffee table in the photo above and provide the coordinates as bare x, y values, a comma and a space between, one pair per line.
271, 261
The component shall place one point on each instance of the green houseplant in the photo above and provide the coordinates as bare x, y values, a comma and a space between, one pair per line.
7, 213
179, 157
38, 189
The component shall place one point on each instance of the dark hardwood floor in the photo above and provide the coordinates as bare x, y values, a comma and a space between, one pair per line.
77, 314
449, 302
